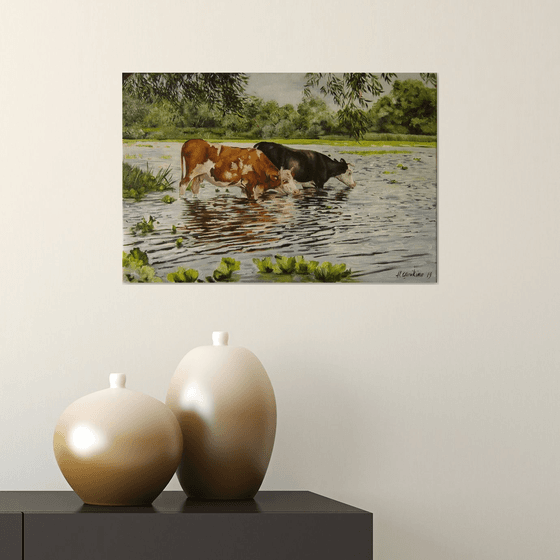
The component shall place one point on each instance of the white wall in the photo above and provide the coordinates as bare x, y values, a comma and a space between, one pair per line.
434, 407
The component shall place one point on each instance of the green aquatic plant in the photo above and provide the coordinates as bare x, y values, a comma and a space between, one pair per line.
225, 269
264, 265
401, 166
137, 255
137, 182
136, 268
168, 199
304, 267
284, 265
173, 229
179, 242
183, 275
144, 226
416, 159
328, 272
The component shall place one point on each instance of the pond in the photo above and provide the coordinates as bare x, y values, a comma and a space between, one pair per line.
384, 229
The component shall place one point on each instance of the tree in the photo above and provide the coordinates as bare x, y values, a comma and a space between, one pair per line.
411, 107
353, 93
225, 91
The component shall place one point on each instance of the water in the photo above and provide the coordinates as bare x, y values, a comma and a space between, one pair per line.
384, 229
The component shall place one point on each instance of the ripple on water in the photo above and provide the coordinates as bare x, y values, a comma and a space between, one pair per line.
378, 228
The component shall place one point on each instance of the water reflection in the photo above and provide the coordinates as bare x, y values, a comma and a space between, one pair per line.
237, 223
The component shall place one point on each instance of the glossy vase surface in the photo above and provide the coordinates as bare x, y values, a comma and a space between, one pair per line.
118, 447
225, 405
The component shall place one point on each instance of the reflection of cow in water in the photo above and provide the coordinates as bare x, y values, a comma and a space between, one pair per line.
306, 165
225, 166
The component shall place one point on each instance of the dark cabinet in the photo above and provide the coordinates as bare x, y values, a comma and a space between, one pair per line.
273, 526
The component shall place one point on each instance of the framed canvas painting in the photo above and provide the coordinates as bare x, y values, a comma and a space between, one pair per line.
275, 178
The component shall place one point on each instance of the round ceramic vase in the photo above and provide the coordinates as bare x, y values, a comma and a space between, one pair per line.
118, 447
225, 405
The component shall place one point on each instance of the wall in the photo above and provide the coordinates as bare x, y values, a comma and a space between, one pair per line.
434, 407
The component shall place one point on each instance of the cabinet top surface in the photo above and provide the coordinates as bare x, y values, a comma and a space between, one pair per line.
176, 502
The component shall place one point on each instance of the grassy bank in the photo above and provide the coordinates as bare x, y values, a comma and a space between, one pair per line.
369, 140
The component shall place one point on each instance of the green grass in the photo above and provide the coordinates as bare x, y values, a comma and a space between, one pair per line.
137, 182
370, 139
374, 152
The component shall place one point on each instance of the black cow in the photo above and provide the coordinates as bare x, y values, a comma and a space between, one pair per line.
307, 165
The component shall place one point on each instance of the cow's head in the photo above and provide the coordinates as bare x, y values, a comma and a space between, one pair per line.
346, 174
287, 184
280, 180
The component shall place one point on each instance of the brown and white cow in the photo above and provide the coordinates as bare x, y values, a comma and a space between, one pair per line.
226, 166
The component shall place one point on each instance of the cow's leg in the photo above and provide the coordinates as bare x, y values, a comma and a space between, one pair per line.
190, 182
195, 185
250, 191
184, 184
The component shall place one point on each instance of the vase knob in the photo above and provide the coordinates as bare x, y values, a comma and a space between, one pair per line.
117, 380
220, 338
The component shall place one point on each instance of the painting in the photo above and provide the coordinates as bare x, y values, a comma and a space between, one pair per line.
279, 178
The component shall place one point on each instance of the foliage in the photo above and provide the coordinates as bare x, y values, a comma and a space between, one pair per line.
264, 265
136, 267
139, 255
134, 111
173, 106
223, 90
353, 93
411, 107
284, 265
173, 229
430, 79
305, 267
327, 272
144, 226
225, 269
168, 199
179, 242
137, 183
183, 275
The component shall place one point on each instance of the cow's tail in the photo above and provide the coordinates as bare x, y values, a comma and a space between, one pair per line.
182, 187
182, 170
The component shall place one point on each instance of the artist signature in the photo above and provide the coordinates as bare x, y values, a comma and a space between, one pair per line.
414, 274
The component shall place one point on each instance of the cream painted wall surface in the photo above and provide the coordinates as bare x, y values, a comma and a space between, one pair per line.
434, 407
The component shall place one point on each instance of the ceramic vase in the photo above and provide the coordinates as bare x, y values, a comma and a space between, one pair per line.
225, 405
118, 447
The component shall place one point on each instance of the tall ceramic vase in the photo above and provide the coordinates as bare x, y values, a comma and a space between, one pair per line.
118, 447
226, 408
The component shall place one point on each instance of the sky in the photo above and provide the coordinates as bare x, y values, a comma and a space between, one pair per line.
288, 88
